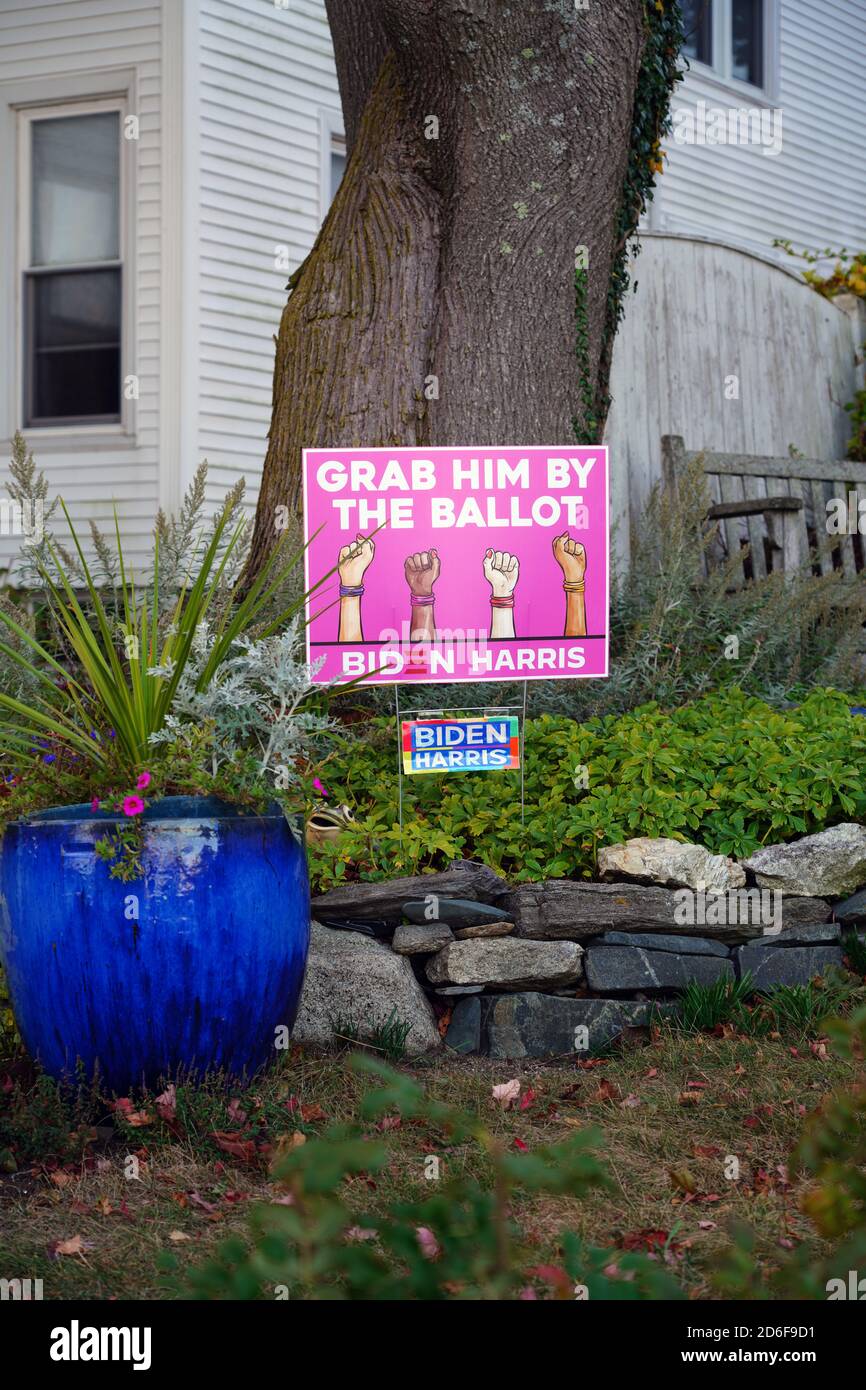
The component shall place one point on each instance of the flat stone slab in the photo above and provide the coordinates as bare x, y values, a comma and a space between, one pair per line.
355, 979
460, 989
670, 863
412, 939
815, 935
563, 910
387, 900
629, 969
831, 863
653, 941
457, 912
484, 930
544, 1025
771, 966
464, 1030
507, 963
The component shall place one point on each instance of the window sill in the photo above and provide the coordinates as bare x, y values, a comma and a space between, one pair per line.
44, 439
730, 86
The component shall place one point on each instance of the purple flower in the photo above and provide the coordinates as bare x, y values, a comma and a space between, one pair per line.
49, 758
94, 805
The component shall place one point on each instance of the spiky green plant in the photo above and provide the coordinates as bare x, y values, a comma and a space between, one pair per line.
123, 675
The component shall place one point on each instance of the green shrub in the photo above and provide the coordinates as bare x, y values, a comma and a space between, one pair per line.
671, 618
728, 771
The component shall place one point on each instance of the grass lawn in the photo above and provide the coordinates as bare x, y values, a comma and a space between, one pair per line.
672, 1110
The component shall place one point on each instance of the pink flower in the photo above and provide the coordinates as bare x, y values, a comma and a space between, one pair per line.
318, 786
133, 806
143, 781
94, 805
427, 1242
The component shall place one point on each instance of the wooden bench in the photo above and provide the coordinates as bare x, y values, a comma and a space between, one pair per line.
775, 506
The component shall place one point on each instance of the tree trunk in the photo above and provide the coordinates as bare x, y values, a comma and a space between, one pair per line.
437, 306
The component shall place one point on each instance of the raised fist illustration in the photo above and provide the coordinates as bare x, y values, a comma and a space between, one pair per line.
422, 571
501, 570
571, 557
354, 560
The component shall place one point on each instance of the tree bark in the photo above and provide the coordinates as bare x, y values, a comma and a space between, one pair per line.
437, 305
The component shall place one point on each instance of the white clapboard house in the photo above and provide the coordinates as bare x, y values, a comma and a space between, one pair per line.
167, 163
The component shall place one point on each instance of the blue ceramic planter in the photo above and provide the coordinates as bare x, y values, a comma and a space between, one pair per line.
194, 965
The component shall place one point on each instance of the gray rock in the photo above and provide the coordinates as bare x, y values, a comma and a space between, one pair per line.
410, 939
852, 910
829, 864
651, 941
387, 900
464, 1030
508, 964
460, 989
561, 909
669, 863
801, 936
483, 930
626, 969
457, 912
355, 979
543, 1025
564, 910
771, 965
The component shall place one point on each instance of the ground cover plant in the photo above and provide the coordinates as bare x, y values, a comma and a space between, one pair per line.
703, 1164
727, 770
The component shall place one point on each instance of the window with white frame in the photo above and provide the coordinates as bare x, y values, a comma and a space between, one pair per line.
730, 36
71, 244
332, 157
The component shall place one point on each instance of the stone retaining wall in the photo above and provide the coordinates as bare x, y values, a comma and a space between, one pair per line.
543, 969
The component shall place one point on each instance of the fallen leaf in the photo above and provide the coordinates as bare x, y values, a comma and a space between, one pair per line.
527, 1099
519, 1144
706, 1150
178, 1236
166, 1104
233, 1143
689, 1098
707, 1226
683, 1180
236, 1111
506, 1093
75, 1245
61, 1179
427, 1242
311, 1113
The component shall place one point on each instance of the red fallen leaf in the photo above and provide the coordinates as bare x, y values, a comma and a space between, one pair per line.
519, 1144
647, 1239
181, 1199
130, 1114
787, 1244
124, 1211
697, 1085
794, 1051
233, 1143
739, 1069
528, 1098
292, 1103
79, 1208
199, 1202
590, 1063
389, 1122
751, 1122
311, 1113
235, 1196
706, 1150
606, 1091
819, 1049
236, 1111
651, 1074
554, 1275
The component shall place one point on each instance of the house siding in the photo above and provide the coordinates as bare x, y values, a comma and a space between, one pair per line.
63, 45
264, 75
814, 191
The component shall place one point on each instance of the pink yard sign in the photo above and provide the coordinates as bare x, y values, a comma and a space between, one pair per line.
461, 564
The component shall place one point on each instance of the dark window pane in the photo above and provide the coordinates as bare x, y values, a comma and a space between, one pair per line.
74, 345
698, 27
747, 21
338, 168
